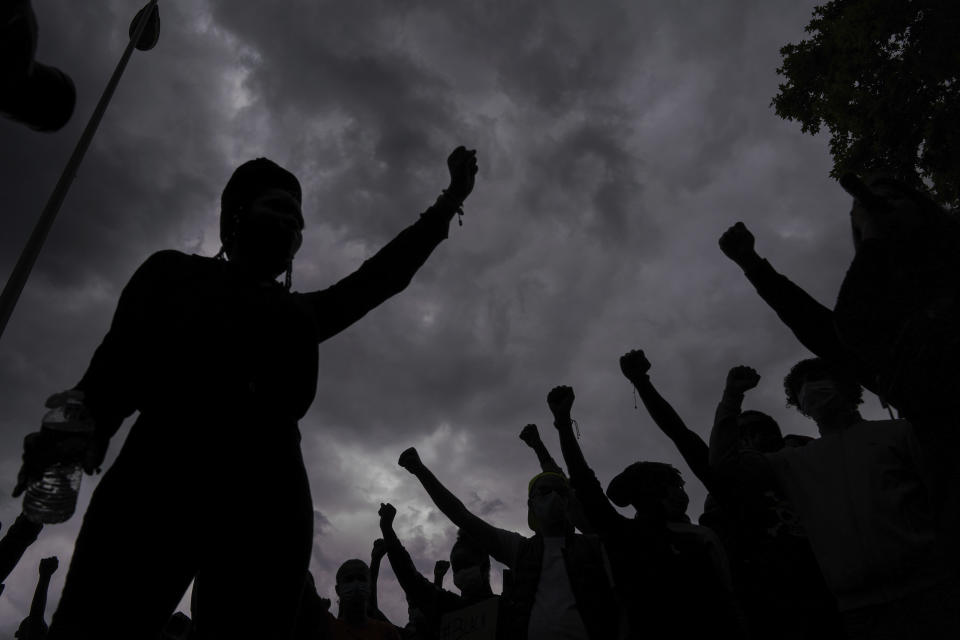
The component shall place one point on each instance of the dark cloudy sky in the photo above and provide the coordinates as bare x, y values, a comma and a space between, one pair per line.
616, 142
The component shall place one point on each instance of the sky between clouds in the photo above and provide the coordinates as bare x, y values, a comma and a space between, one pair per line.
616, 142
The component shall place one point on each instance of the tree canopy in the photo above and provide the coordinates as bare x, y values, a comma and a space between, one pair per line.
882, 76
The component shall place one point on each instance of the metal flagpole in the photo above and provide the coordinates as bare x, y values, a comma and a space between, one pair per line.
21, 271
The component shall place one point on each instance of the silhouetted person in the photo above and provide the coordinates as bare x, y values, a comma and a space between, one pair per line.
660, 570
531, 436
221, 362
20, 535
861, 494
778, 583
560, 586
353, 621
471, 575
893, 327
33, 626
440, 569
39, 96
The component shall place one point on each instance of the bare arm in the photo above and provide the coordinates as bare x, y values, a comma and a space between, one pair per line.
635, 368
810, 321
531, 437
379, 549
414, 585
600, 514
38, 606
725, 435
486, 535
391, 269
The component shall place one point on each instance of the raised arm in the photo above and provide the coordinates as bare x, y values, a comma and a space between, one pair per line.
36, 626
376, 555
486, 535
531, 437
420, 593
811, 322
20, 535
600, 514
390, 270
440, 568
636, 368
725, 435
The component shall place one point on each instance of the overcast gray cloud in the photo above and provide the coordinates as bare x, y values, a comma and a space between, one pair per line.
616, 141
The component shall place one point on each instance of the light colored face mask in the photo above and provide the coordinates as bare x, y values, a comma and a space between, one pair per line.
469, 579
815, 396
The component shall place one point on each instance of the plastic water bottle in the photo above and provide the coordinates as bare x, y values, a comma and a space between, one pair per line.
53, 497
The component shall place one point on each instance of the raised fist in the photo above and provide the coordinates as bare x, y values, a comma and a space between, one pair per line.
634, 364
737, 243
560, 401
387, 513
529, 434
741, 379
463, 169
379, 548
410, 460
49, 565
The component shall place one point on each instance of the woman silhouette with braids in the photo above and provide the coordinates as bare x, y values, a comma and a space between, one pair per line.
221, 362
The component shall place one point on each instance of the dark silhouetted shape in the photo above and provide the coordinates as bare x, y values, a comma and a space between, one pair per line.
862, 496
881, 76
34, 627
780, 584
559, 580
531, 436
221, 362
662, 568
353, 621
471, 574
39, 96
178, 627
777, 581
440, 569
376, 555
893, 329
20, 535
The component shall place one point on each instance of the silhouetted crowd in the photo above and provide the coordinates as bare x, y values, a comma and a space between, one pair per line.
853, 534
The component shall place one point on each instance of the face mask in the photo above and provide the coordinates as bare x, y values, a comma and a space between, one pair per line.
354, 591
469, 579
549, 509
814, 396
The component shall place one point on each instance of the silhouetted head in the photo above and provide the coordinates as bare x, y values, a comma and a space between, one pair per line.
652, 488
353, 588
548, 495
912, 212
261, 222
471, 567
759, 432
821, 390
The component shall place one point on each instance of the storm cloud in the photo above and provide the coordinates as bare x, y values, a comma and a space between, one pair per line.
616, 142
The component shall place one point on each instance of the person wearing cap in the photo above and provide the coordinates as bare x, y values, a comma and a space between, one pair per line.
221, 362
561, 586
